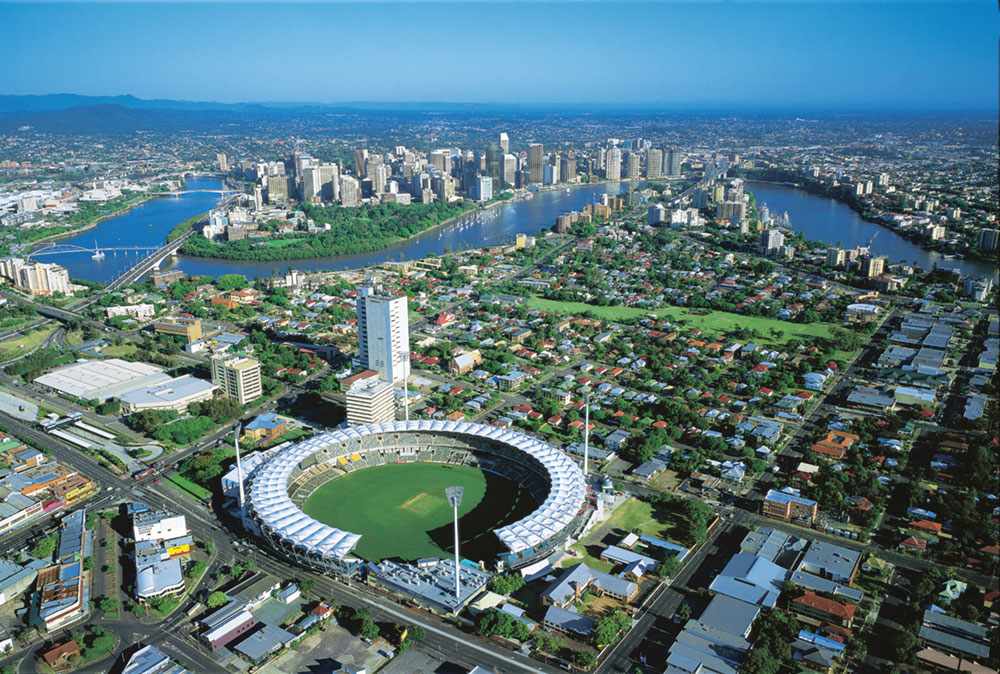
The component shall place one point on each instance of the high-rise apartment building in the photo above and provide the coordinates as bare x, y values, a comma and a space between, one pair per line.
223, 162
871, 265
633, 166
654, 163
613, 166
988, 239
383, 332
38, 278
836, 257
536, 163
673, 166
238, 377
771, 240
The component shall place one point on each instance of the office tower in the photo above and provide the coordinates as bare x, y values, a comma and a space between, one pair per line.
380, 178
444, 187
536, 164
567, 169
278, 188
360, 157
372, 164
656, 214
836, 257
258, 198
350, 191
494, 164
312, 185
371, 401
383, 332
613, 167
770, 241
654, 164
509, 170
883, 179
329, 180
484, 188
988, 239
301, 162
223, 162
441, 159
633, 166
238, 377
673, 166
504, 142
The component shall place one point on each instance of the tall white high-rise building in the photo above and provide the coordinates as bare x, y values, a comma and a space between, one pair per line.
329, 180
383, 332
673, 165
38, 278
312, 182
633, 166
484, 188
613, 168
504, 141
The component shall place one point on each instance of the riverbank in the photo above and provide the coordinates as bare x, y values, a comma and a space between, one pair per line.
37, 243
806, 184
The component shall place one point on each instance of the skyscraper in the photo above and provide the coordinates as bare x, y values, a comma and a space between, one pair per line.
360, 155
383, 332
494, 165
567, 169
673, 163
441, 159
350, 191
504, 142
536, 164
771, 240
654, 164
223, 162
312, 184
613, 167
484, 188
509, 169
633, 165
329, 178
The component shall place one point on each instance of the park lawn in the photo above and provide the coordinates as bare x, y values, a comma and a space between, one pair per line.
283, 243
188, 487
22, 345
120, 350
769, 330
635, 514
586, 558
75, 337
400, 510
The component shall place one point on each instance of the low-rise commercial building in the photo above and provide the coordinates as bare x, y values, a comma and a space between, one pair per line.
181, 326
176, 394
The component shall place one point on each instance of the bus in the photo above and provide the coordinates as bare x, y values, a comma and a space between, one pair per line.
139, 474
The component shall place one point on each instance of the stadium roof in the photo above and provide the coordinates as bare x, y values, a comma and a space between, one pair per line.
276, 511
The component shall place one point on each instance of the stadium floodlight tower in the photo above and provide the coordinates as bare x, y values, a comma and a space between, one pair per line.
239, 471
454, 495
586, 432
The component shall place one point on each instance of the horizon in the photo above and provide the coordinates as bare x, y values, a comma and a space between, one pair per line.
836, 57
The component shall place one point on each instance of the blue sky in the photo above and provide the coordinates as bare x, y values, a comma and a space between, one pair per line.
810, 55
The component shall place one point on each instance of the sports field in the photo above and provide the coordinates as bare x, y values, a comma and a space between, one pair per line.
401, 512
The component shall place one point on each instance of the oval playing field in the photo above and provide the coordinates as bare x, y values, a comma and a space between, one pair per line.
376, 491
401, 511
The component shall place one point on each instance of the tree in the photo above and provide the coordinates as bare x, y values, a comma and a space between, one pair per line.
684, 612
608, 629
507, 584
231, 282
216, 599
904, 646
585, 659
668, 568
368, 629
545, 642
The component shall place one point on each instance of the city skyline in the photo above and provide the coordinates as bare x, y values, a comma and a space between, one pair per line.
764, 56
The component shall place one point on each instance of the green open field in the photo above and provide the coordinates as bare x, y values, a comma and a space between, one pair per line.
713, 322
188, 487
401, 512
22, 345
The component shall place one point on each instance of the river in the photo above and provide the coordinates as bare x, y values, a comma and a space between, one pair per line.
151, 222
828, 220
819, 218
